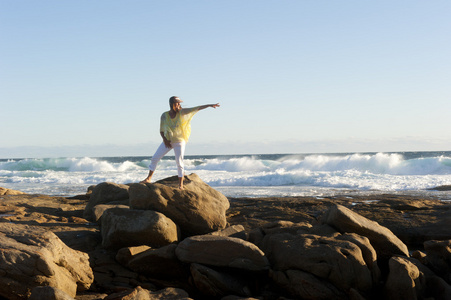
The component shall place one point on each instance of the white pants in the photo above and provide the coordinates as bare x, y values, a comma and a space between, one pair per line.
179, 151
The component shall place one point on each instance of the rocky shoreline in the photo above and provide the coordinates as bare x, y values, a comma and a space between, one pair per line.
197, 244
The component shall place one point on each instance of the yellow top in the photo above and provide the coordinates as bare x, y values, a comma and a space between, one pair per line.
179, 128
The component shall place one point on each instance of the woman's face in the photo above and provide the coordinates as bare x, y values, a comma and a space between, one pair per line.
176, 107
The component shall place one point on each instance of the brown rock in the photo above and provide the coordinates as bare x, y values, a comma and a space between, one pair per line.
198, 209
435, 286
48, 293
73, 219
257, 235
127, 227
368, 253
304, 285
442, 188
217, 284
382, 239
232, 231
103, 193
404, 281
413, 220
158, 263
98, 210
32, 256
124, 255
5, 191
222, 251
139, 293
339, 262
438, 258
170, 293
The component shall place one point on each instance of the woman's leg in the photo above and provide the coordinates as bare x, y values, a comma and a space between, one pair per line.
179, 151
161, 151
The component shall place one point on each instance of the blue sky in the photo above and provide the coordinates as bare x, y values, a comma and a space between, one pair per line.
91, 78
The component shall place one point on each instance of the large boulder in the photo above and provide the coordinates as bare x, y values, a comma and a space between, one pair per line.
405, 281
368, 253
330, 260
198, 209
438, 258
32, 256
222, 251
382, 239
103, 193
435, 286
123, 227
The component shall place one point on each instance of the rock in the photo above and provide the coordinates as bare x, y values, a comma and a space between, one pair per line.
104, 193
368, 253
339, 262
124, 255
404, 280
233, 297
413, 220
98, 210
198, 209
139, 293
170, 294
33, 256
217, 284
48, 293
5, 191
438, 258
78, 220
257, 235
158, 263
441, 188
222, 251
382, 239
435, 287
127, 227
417, 254
304, 285
232, 231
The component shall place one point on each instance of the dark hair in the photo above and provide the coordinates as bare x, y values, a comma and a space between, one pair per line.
173, 100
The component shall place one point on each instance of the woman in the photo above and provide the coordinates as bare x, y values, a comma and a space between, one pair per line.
175, 129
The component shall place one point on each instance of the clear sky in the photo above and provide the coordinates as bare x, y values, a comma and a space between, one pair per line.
91, 78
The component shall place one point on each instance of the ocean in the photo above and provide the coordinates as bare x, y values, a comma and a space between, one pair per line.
244, 175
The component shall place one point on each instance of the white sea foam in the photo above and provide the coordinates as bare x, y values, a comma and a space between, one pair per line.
281, 174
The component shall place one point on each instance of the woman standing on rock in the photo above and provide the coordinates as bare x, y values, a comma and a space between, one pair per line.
175, 129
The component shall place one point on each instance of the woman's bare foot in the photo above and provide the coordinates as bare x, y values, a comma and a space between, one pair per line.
148, 178
181, 183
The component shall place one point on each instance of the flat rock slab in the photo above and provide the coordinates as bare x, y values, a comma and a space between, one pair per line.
62, 216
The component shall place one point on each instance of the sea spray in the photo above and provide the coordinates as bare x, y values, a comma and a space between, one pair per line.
245, 175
